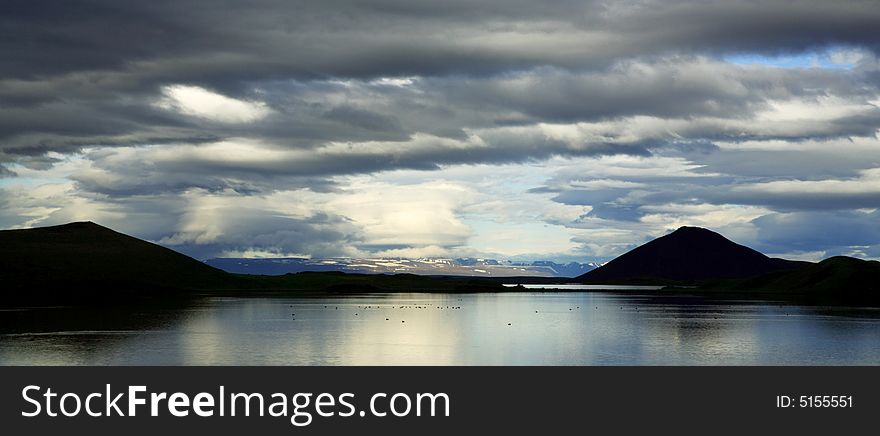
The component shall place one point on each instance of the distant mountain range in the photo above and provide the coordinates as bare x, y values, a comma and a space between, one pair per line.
434, 267
689, 255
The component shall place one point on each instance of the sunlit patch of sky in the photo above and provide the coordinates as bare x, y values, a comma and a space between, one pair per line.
58, 173
21, 180
838, 58
512, 240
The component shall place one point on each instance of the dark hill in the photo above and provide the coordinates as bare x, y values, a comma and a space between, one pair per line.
86, 263
839, 277
689, 255
86, 256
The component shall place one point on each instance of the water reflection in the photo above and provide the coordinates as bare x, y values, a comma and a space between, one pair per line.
569, 328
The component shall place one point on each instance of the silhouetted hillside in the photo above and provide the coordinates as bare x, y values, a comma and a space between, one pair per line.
85, 262
688, 255
86, 256
840, 277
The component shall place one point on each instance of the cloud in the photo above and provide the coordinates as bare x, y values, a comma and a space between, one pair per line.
382, 38
400, 69
400, 127
833, 233
212, 225
6, 172
199, 102
531, 114
855, 193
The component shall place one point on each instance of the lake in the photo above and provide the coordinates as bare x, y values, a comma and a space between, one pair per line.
523, 328
582, 287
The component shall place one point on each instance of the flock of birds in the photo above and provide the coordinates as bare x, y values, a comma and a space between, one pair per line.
439, 307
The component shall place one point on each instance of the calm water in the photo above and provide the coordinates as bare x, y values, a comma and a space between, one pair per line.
582, 287
570, 328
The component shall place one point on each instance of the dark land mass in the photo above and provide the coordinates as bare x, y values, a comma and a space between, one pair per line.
687, 256
838, 278
83, 258
85, 263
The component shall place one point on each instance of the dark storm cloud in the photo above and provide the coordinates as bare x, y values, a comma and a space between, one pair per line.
401, 37
380, 126
822, 176
79, 74
795, 200
838, 231
674, 87
176, 169
628, 204
832, 162
321, 235
307, 114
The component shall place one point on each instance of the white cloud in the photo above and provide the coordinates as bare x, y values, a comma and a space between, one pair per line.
261, 254
400, 82
848, 56
202, 103
422, 214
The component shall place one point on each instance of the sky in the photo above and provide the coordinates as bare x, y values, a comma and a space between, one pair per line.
508, 129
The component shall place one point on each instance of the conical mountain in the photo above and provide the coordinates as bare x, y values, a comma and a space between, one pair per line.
687, 255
